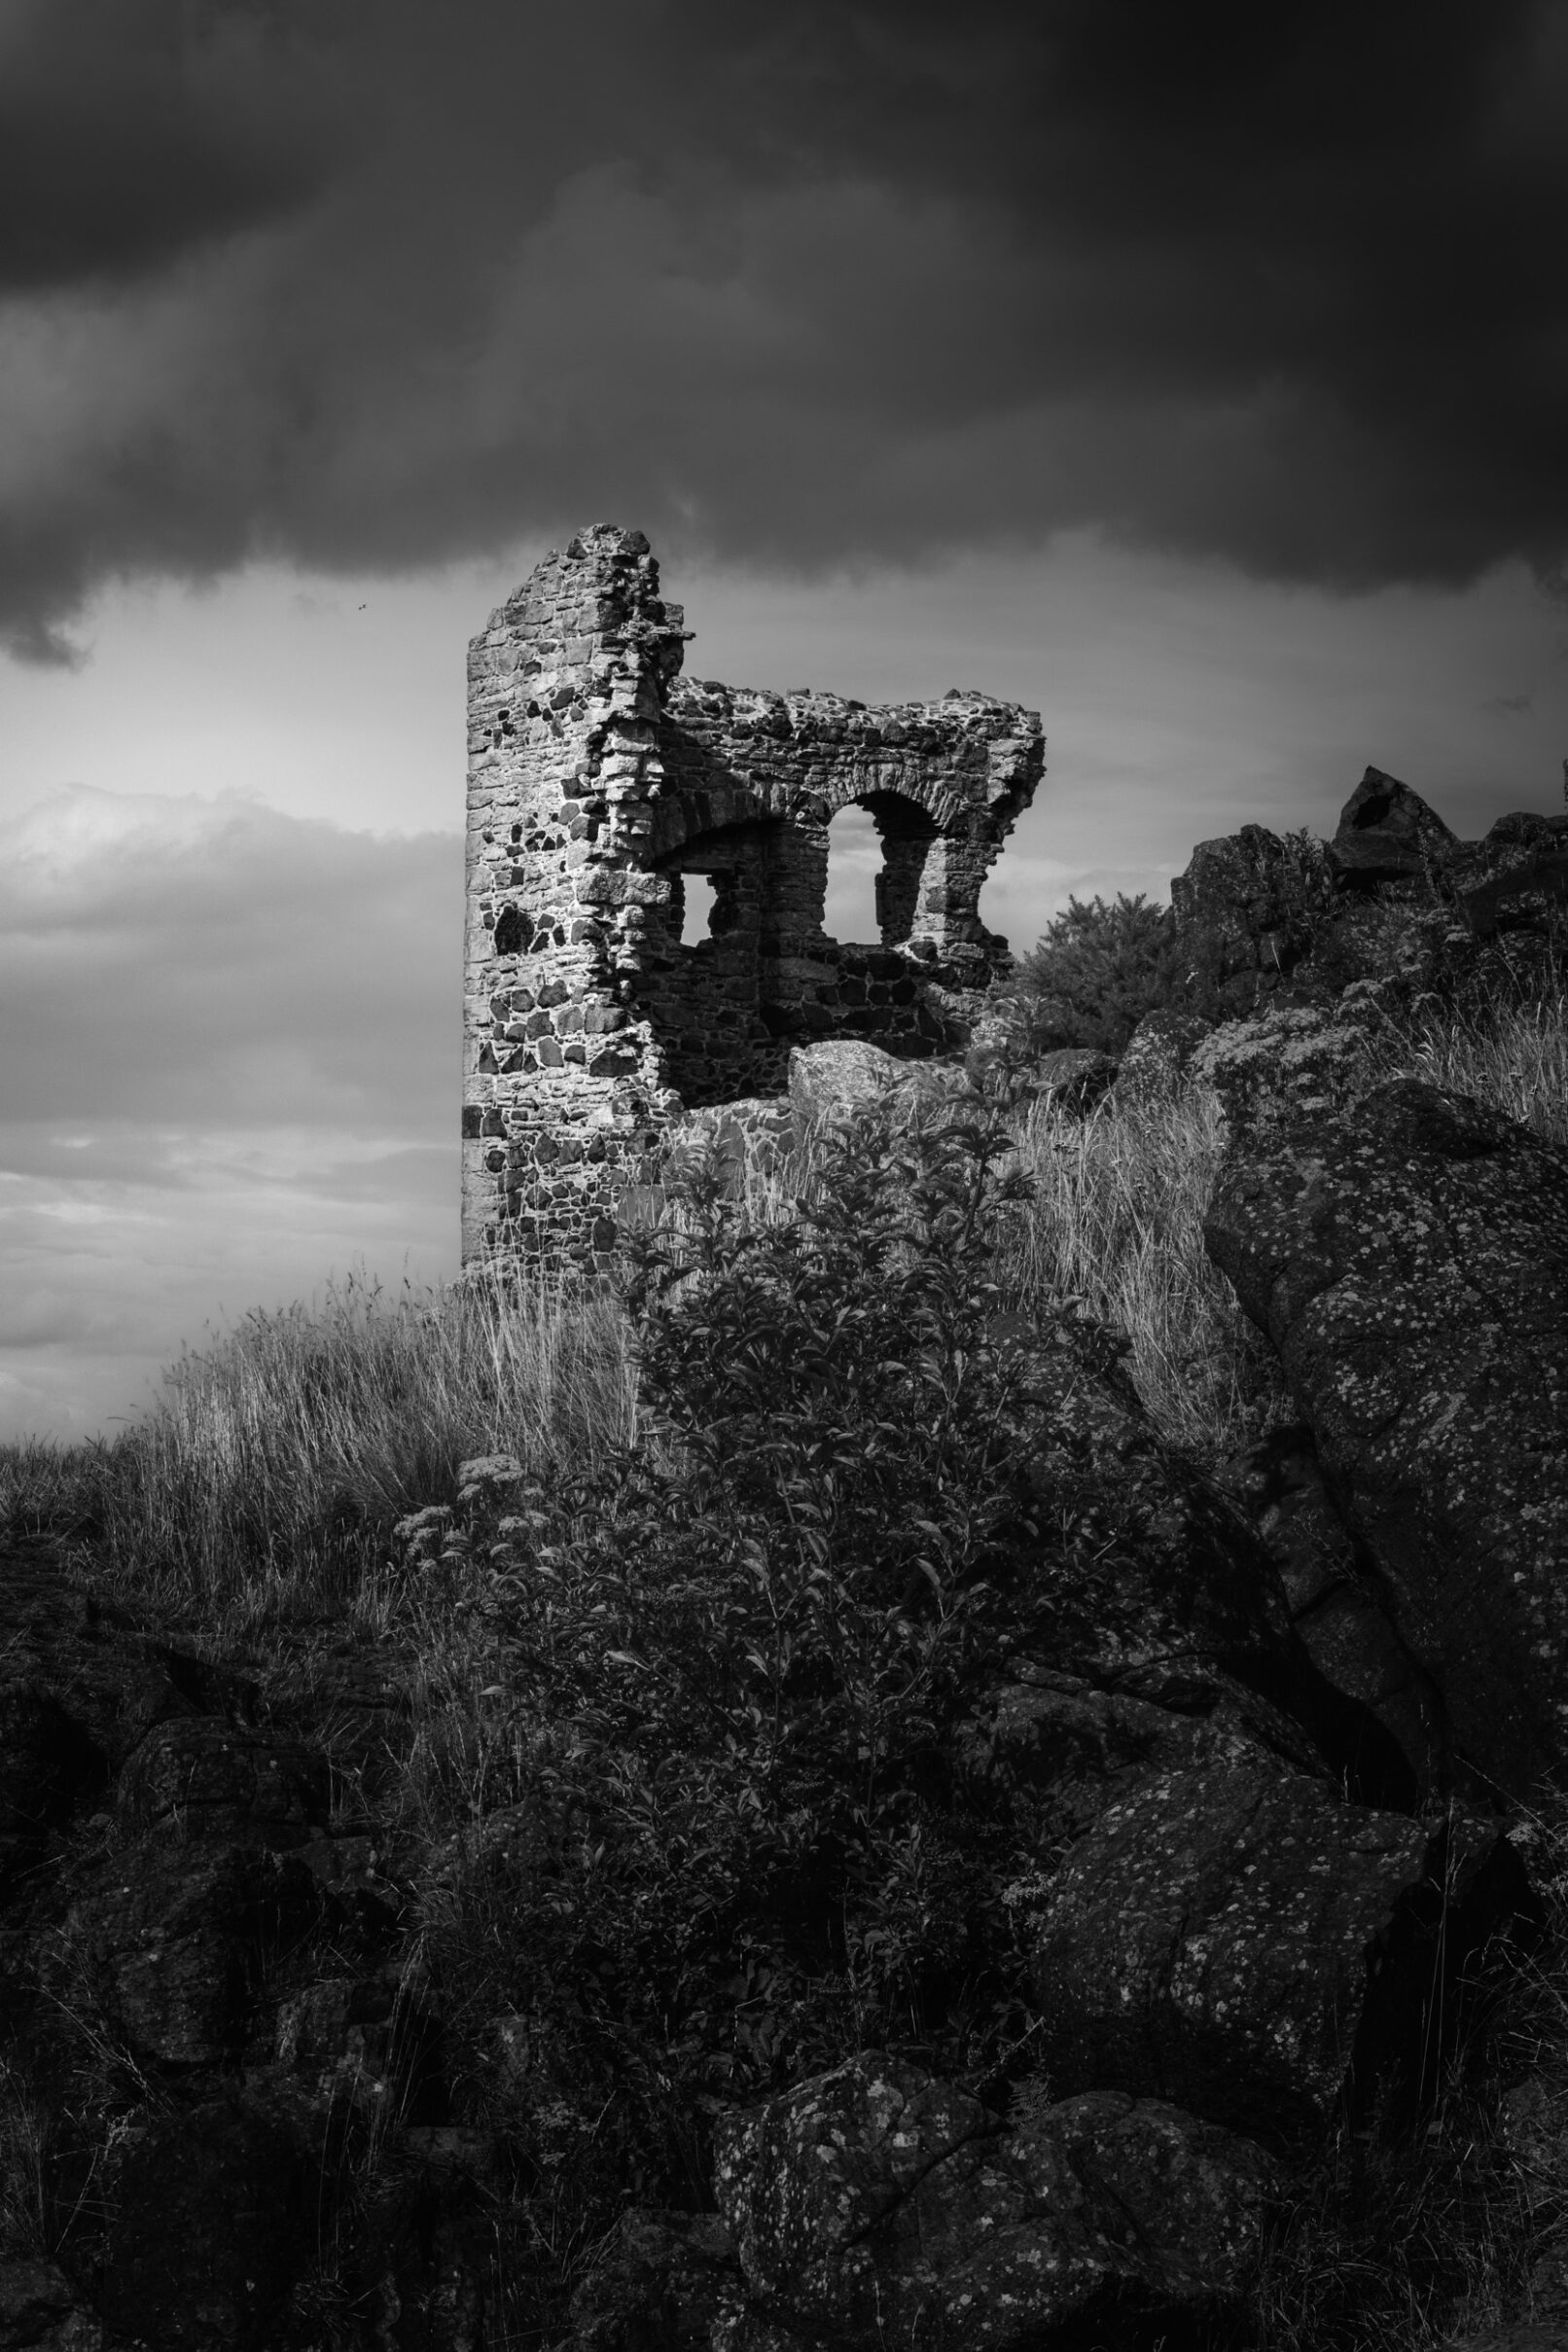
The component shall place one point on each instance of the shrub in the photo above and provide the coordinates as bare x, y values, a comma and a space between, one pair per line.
704, 1763
1097, 968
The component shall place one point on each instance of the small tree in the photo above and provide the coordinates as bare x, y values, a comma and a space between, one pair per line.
1097, 968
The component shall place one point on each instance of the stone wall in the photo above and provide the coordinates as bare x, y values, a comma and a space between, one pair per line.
599, 779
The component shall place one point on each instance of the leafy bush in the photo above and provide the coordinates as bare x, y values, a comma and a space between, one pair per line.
1097, 968
723, 1663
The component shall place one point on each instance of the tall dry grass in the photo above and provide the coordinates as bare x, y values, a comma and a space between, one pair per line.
264, 1481
1511, 1056
1116, 1228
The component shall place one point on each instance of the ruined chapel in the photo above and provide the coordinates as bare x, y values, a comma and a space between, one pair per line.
600, 779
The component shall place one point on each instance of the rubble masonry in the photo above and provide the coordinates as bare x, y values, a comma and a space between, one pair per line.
598, 779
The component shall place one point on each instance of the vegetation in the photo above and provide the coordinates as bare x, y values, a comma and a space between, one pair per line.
680, 1644
1098, 968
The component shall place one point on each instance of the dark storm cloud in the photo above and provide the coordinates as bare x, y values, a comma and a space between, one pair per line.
131, 132
377, 285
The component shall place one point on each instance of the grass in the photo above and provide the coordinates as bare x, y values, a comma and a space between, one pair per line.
265, 1483
1514, 1056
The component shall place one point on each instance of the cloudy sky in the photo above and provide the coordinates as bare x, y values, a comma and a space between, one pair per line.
1198, 376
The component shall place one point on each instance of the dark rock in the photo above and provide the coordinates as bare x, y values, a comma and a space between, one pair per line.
1387, 834
39, 2311
170, 1944
1160, 1582
665, 2282
49, 1767
1250, 1946
1152, 1583
207, 1779
1339, 1608
1237, 908
215, 2215
1410, 1262
878, 2204
1079, 1749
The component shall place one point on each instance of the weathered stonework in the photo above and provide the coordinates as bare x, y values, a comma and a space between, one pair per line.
598, 780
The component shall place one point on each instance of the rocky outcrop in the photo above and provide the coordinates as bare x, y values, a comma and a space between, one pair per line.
1387, 834
1239, 908
1157, 1057
877, 2204
1408, 1259
204, 2022
1341, 1609
1246, 1944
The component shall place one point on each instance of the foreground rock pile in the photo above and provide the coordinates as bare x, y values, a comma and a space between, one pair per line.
1244, 1792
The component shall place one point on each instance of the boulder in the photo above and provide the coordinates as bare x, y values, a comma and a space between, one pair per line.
1339, 1609
169, 1944
1387, 834
204, 1778
1240, 906
1155, 1058
1147, 1582
1291, 1060
1245, 1943
878, 2204
1072, 1750
1408, 1259
832, 1080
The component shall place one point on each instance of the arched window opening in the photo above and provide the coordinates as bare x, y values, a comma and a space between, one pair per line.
854, 862
699, 896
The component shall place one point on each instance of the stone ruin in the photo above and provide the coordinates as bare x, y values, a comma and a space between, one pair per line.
600, 780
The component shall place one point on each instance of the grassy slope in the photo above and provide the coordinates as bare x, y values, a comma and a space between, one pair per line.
255, 1506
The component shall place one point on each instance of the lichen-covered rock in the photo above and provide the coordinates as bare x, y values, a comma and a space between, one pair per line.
1292, 1061
1155, 1058
1410, 1262
883, 2206
1076, 1749
1155, 1582
1244, 1944
1074, 1075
